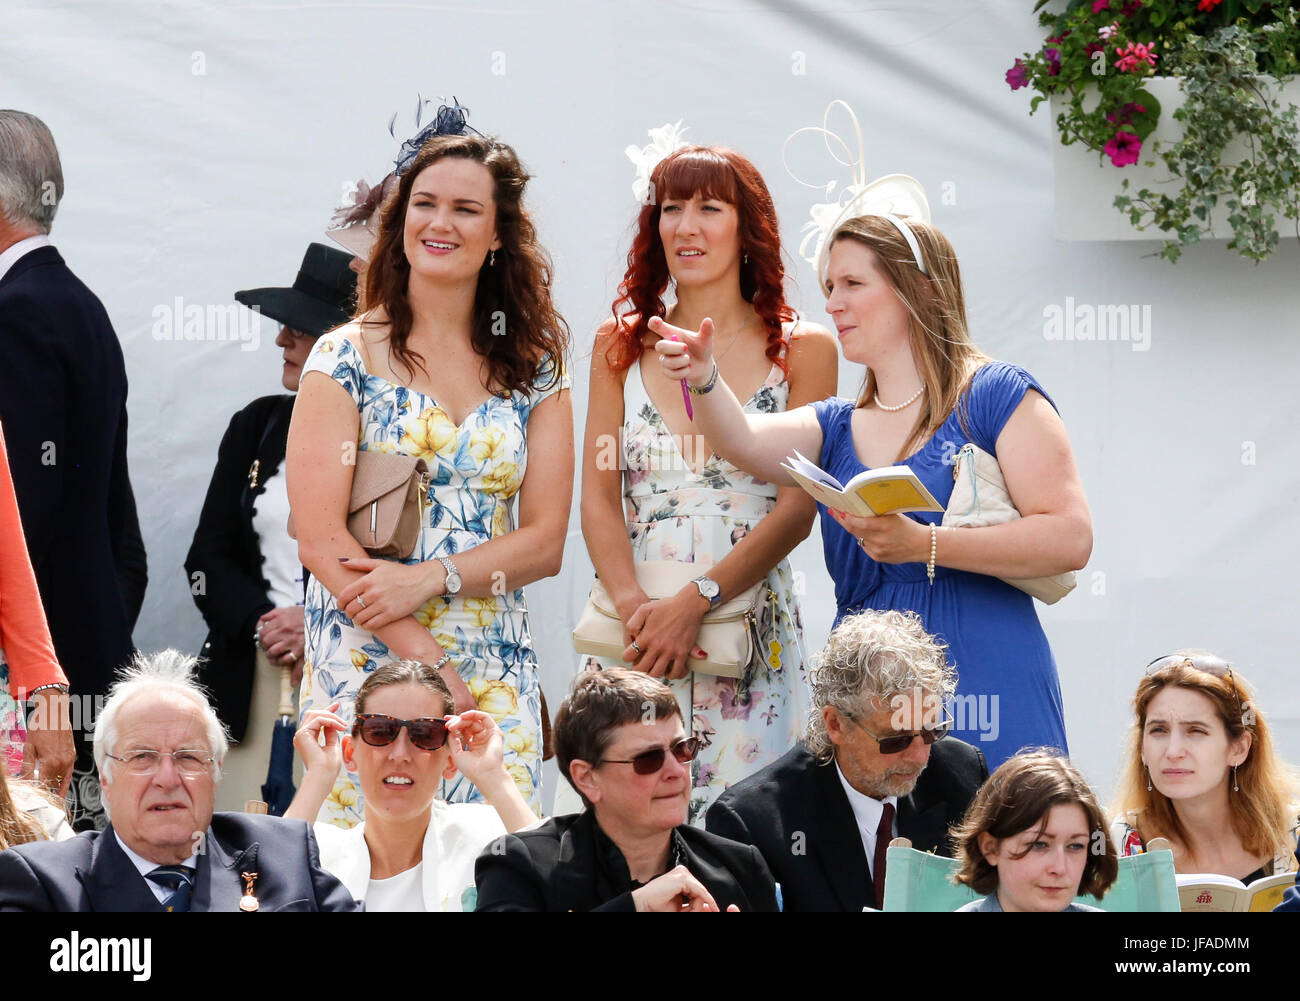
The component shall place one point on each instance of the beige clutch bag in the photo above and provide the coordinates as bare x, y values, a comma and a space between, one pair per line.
726, 633
979, 498
386, 508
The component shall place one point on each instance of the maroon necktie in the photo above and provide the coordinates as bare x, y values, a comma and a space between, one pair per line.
884, 835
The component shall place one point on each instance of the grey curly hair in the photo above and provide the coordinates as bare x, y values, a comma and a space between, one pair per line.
874, 657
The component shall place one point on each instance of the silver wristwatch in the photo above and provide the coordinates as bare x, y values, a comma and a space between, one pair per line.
708, 589
453, 575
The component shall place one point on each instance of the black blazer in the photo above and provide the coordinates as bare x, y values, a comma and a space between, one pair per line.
63, 407
226, 553
797, 814
569, 864
91, 872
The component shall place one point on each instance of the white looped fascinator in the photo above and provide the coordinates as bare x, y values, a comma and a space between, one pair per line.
891, 197
664, 140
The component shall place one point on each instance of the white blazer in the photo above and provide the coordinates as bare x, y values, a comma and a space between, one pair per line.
457, 833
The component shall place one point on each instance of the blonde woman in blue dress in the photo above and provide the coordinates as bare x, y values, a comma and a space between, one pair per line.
456, 357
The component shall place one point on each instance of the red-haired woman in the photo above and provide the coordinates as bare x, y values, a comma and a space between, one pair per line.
652, 489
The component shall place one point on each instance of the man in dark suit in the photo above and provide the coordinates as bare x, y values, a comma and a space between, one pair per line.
870, 768
63, 409
159, 748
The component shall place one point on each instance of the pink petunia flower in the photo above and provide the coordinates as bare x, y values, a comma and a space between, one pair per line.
1053, 61
1018, 76
1124, 149
1099, 5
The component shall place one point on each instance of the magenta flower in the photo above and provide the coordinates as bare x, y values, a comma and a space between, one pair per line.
1099, 5
1126, 113
1053, 61
1124, 149
1135, 56
1131, 8
1018, 76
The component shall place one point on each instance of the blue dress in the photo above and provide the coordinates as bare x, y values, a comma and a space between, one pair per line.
1008, 693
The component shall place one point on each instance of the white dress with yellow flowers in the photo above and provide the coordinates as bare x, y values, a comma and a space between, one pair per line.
476, 469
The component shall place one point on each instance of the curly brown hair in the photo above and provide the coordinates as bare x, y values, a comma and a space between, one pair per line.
710, 172
517, 288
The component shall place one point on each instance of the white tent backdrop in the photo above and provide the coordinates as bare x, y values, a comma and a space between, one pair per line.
204, 145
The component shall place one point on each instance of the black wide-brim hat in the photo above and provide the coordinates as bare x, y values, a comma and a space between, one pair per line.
323, 295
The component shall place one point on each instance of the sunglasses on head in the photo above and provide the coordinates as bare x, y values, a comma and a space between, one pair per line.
1200, 662
650, 762
899, 742
427, 733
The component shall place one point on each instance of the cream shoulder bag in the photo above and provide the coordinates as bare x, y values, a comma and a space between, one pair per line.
979, 498
726, 633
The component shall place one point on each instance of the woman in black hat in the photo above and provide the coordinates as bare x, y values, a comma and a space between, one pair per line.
458, 359
243, 567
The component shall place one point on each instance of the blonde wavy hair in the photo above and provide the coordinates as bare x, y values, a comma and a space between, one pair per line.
873, 657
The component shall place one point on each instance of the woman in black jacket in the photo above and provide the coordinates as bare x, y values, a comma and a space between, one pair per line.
243, 567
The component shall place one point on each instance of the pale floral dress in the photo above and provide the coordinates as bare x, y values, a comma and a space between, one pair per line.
476, 470
674, 513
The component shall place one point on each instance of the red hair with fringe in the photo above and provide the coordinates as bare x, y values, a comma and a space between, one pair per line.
725, 175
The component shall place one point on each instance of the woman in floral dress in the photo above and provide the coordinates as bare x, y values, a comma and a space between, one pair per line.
456, 357
653, 490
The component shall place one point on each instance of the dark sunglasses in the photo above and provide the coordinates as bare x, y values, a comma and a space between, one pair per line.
378, 730
898, 742
650, 762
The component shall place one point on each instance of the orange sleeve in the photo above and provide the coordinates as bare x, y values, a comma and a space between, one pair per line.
24, 633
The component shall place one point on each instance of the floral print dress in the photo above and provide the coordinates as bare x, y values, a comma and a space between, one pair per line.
674, 513
476, 470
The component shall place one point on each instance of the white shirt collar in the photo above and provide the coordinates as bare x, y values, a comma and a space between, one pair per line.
145, 866
867, 812
20, 249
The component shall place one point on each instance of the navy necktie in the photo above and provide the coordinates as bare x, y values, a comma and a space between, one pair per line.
179, 879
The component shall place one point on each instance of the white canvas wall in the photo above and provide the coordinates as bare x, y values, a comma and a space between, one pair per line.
204, 145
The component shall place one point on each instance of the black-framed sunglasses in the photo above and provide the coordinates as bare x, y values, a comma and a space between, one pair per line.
428, 733
650, 762
1200, 662
896, 743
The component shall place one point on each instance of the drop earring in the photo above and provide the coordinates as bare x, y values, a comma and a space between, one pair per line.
1234, 779
492, 258
744, 258
1148, 770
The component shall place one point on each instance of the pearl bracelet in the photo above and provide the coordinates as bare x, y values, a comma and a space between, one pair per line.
929, 567
708, 386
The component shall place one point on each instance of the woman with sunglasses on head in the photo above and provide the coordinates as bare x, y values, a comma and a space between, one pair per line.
621, 743
706, 243
894, 292
1202, 773
413, 852
457, 359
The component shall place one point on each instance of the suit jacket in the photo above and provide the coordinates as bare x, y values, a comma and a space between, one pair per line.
91, 872
569, 864
797, 814
225, 550
63, 406
457, 832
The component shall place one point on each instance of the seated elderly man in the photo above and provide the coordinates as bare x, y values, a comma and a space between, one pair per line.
872, 767
620, 741
159, 747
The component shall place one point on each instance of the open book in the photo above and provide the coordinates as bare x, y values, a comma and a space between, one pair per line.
892, 490
1209, 891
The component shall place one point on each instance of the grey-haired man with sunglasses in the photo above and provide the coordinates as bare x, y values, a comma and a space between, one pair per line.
875, 763
159, 747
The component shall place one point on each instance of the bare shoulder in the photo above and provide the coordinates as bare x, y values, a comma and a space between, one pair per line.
812, 337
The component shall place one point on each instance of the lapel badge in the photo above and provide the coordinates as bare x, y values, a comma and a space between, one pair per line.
248, 902
253, 470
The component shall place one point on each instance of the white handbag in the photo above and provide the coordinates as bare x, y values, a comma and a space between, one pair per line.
979, 498
727, 633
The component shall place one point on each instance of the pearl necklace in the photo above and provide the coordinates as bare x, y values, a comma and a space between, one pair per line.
902, 406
